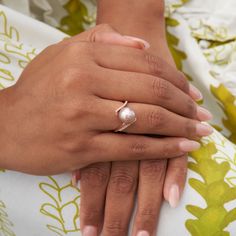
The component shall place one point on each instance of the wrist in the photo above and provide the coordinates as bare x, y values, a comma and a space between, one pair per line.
152, 8
136, 16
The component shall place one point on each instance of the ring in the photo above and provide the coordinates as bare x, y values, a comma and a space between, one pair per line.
126, 115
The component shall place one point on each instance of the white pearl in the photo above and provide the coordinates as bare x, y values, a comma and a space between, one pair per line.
127, 115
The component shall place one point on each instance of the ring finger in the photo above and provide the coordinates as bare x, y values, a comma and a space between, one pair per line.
150, 119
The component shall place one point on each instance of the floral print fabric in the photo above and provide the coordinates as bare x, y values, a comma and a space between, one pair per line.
201, 36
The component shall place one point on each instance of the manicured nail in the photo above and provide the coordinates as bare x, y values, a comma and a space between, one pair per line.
74, 179
90, 231
143, 233
195, 93
145, 44
189, 146
203, 129
203, 114
174, 196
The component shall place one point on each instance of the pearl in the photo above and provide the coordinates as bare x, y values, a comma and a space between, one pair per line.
127, 115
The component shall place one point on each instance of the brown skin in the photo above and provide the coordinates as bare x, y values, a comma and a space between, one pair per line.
53, 120
152, 178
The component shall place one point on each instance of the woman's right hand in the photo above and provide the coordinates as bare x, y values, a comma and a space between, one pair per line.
60, 115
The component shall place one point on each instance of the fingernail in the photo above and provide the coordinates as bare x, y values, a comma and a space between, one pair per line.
203, 129
195, 93
74, 180
203, 114
143, 233
145, 44
189, 146
174, 196
89, 231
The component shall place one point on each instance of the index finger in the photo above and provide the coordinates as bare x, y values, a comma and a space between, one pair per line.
135, 60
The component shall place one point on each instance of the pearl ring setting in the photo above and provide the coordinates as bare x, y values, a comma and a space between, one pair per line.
126, 115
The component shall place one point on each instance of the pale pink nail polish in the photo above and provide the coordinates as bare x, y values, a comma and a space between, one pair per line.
195, 93
146, 45
174, 196
203, 114
189, 146
90, 231
203, 129
143, 233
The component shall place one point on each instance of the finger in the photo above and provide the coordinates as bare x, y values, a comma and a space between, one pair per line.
150, 120
120, 198
104, 33
114, 146
130, 59
133, 60
140, 88
76, 175
93, 184
150, 189
175, 180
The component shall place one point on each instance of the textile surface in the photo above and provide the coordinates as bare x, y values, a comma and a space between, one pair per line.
201, 36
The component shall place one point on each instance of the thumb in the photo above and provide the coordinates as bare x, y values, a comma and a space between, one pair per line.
118, 39
106, 34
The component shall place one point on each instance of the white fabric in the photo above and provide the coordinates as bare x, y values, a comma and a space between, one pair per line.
39, 206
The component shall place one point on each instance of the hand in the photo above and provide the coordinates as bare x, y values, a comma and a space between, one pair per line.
60, 114
119, 191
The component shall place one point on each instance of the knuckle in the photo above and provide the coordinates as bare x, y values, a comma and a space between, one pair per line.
68, 75
138, 148
154, 169
155, 119
75, 49
122, 182
192, 108
160, 88
72, 76
90, 214
76, 108
190, 129
115, 227
179, 170
147, 219
72, 145
95, 175
168, 150
184, 85
154, 64
149, 211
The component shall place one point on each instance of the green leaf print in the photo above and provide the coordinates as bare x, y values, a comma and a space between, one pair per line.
57, 208
78, 16
11, 47
214, 218
173, 42
5, 223
227, 100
